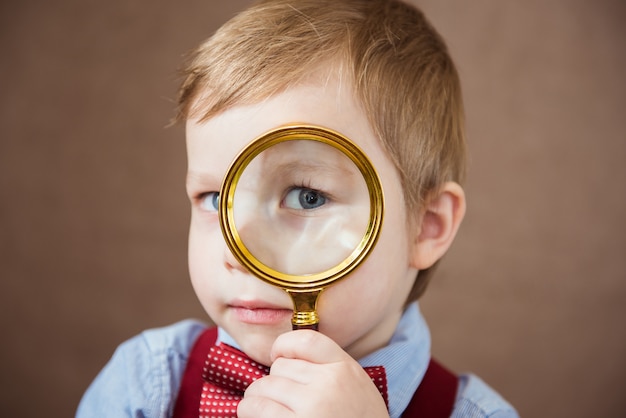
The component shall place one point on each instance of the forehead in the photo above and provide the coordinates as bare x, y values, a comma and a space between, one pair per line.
330, 105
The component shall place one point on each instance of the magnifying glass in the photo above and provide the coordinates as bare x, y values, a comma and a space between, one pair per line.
301, 207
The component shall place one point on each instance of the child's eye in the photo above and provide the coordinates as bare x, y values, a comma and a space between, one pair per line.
301, 198
210, 201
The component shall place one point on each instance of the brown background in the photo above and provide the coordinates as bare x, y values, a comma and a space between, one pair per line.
93, 214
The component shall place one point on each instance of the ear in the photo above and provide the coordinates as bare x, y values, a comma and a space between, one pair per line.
438, 223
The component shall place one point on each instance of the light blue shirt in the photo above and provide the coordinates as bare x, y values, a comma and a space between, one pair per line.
143, 377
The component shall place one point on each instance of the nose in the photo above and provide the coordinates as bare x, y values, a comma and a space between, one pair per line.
231, 262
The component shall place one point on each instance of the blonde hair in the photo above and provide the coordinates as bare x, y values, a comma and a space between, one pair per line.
398, 64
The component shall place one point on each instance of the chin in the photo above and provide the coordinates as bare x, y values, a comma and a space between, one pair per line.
258, 348
257, 341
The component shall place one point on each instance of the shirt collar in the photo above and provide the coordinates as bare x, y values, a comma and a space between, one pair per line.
405, 358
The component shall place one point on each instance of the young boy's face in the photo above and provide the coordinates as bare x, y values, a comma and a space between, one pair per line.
361, 311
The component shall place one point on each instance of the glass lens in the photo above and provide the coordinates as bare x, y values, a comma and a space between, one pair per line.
301, 207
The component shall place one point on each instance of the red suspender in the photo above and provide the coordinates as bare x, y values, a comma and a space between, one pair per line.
188, 400
434, 397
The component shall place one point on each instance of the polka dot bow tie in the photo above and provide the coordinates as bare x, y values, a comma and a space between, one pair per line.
227, 373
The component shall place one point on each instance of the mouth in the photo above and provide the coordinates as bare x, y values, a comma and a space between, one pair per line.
259, 313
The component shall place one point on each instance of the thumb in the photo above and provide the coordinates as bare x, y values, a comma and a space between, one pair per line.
308, 345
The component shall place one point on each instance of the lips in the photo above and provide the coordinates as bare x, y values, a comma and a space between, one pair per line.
259, 313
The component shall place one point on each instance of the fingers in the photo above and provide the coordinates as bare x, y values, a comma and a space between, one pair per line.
335, 390
256, 406
307, 345
311, 376
299, 371
271, 396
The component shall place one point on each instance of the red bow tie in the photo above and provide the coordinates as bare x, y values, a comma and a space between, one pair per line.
228, 372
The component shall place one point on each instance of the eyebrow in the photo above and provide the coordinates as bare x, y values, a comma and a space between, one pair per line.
199, 179
307, 167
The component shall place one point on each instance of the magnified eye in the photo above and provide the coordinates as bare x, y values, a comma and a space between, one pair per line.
210, 202
302, 198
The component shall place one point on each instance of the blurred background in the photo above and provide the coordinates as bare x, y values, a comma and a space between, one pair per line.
93, 213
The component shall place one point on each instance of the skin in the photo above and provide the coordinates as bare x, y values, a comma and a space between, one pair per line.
359, 314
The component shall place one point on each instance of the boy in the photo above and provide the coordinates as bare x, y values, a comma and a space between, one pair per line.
377, 72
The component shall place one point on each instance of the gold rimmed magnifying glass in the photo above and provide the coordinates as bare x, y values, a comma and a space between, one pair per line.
301, 207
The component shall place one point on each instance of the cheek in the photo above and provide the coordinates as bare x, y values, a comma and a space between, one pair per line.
363, 297
203, 257
375, 291
195, 254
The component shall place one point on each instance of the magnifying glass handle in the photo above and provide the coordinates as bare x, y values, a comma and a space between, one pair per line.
304, 310
314, 327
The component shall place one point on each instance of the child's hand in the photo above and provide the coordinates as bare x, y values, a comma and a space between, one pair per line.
312, 377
